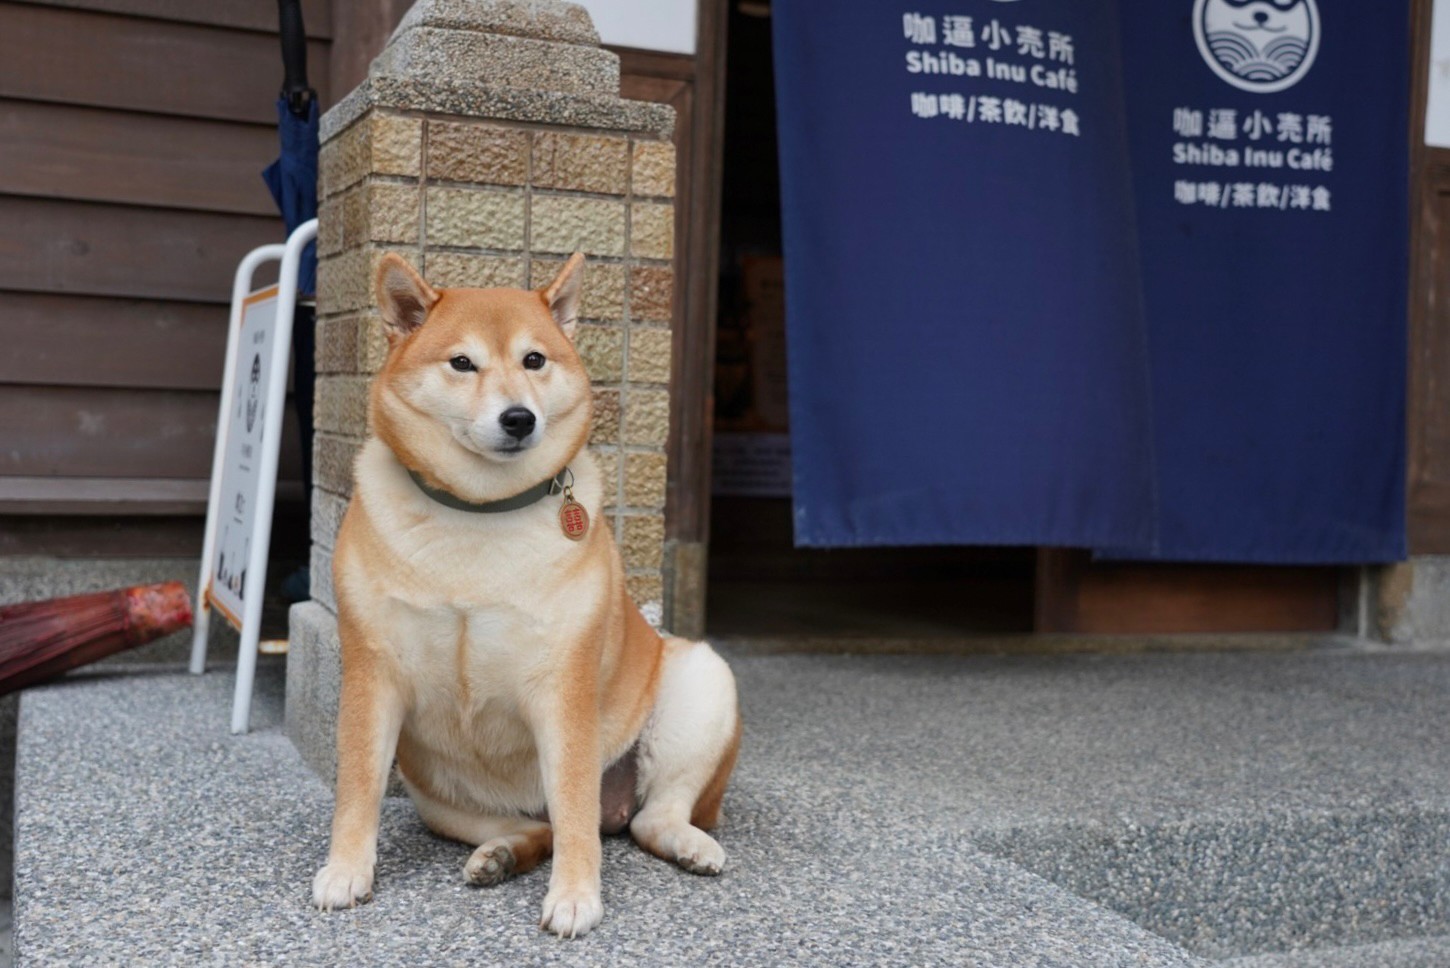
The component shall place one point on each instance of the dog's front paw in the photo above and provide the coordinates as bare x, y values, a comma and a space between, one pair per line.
341, 885
571, 912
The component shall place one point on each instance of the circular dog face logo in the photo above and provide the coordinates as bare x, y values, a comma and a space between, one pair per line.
1261, 46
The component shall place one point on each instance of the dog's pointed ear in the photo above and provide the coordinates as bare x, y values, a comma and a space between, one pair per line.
562, 295
403, 297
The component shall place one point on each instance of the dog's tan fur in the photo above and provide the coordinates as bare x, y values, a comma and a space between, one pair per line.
501, 662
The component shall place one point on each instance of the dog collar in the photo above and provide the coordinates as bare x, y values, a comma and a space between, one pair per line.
535, 494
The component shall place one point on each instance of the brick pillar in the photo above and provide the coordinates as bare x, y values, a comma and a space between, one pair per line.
487, 143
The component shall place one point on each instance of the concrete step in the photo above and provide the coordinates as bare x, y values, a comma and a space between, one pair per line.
1278, 882
1410, 953
1083, 811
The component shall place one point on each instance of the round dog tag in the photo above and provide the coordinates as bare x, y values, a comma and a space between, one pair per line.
573, 519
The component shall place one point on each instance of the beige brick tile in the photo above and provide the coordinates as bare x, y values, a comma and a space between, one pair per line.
646, 588
602, 350
332, 460
649, 355
327, 511
397, 145
564, 223
392, 214
337, 344
369, 212
470, 270
651, 293
652, 230
352, 210
341, 404
581, 163
605, 429
643, 540
329, 226
603, 293
343, 160
343, 282
644, 480
475, 218
372, 343
380, 144
646, 417
609, 469
321, 577
654, 168
481, 153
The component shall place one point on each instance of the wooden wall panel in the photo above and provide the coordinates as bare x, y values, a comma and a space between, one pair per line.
1078, 596
102, 495
95, 536
59, 151
132, 138
104, 60
90, 432
116, 250
243, 14
54, 340
360, 30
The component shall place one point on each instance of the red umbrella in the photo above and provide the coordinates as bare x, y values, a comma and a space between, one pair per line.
41, 640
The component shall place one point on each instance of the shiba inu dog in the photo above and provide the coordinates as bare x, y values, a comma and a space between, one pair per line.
488, 641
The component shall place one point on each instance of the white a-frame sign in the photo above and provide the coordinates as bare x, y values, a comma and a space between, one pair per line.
244, 464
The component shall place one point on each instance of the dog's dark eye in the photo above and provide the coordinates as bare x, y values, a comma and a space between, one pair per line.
534, 361
462, 363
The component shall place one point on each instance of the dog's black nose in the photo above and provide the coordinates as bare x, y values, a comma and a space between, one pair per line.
1261, 17
518, 422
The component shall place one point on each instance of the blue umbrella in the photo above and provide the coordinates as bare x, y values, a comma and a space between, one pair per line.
293, 176
293, 181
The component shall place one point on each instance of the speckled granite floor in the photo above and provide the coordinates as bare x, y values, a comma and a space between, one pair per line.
1266, 811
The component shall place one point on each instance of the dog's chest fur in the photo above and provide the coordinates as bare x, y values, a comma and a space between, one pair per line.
473, 608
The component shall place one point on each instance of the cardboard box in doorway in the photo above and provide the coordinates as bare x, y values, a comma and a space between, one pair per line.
752, 416
763, 278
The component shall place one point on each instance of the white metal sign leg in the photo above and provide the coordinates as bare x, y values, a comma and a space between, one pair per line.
256, 574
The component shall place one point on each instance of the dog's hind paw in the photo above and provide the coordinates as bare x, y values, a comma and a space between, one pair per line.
571, 912
700, 854
340, 885
491, 864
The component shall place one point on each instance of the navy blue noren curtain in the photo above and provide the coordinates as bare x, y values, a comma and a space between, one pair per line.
1126, 275
968, 361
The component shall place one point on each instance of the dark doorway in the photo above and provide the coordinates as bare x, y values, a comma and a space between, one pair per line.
760, 585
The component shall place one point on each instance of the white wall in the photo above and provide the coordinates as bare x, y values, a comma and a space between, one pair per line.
1437, 108
667, 25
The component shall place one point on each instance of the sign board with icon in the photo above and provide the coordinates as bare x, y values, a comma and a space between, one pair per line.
241, 478
244, 461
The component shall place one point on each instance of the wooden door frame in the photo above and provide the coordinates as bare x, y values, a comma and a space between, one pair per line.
696, 298
1428, 500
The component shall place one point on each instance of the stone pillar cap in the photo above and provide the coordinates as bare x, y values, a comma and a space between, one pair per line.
538, 45
536, 61
554, 20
